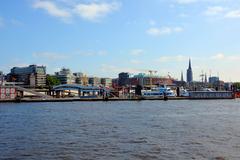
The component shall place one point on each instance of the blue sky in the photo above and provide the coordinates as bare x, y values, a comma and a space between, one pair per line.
105, 37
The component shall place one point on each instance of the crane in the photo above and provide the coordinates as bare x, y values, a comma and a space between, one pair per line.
151, 72
202, 76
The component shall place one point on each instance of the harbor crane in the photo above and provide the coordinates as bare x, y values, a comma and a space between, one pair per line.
151, 72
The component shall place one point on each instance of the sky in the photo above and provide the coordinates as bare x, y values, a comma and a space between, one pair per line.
105, 37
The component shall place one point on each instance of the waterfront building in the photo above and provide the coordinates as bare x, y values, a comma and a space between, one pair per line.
106, 82
33, 75
81, 78
78, 74
65, 76
139, 79
216, 83
115, 83
228, 86
214, 80
189, 72
146, 80
143, 80
123, 79
1, 78
94, 81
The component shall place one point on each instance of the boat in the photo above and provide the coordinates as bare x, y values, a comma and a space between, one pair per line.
208, 90
159, 92
184, 92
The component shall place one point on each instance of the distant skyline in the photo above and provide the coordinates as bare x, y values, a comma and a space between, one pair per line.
105, 37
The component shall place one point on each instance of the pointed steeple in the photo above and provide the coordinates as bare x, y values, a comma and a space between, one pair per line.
190, 64
205, 77
182, 77
189, 72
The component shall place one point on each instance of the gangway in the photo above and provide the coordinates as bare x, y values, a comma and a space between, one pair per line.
32, 92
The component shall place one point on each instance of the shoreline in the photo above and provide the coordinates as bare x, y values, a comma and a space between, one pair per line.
27, 100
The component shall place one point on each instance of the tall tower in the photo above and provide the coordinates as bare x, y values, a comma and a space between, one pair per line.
182, 80
189, 72
206, 78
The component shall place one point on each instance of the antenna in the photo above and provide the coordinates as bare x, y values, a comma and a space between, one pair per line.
210, 72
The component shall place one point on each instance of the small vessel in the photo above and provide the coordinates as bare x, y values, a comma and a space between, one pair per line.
208, 90
159, 92
184, 93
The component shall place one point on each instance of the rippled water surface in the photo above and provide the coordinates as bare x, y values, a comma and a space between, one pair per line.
175, 130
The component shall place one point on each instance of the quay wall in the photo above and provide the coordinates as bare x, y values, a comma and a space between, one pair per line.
211, 95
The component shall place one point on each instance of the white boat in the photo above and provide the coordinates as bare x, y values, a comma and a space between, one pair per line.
184, 93
208, 90
159, 92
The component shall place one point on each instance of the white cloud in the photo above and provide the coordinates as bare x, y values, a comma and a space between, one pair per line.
52, 9
152, 22
178, 58
154, 31
95, 11
224, 57
199, 1
183, 15
49, 56
215, 10
137, 52
218, 56
93, 53
225, 12
233, 14
177, 29
66, 9
115, 69
186, 1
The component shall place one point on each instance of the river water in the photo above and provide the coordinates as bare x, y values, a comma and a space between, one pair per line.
145, 130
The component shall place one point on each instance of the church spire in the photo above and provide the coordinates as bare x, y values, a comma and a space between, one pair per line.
189, 72
182, 77
190, 64
206, 78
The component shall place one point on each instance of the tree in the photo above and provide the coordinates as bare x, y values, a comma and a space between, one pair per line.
237, 85
52, 81
138, 90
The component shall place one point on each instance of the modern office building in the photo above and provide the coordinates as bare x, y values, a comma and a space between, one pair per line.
123, 79
142, 79
214, 80
33, 75
65, 76
81, 78
106, 82
94, 81
189, 72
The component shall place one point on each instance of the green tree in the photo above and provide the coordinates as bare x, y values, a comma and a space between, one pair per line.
52, 81
237, 85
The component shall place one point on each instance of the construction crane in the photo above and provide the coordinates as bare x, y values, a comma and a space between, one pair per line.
169, 75
202, 76
151, 72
